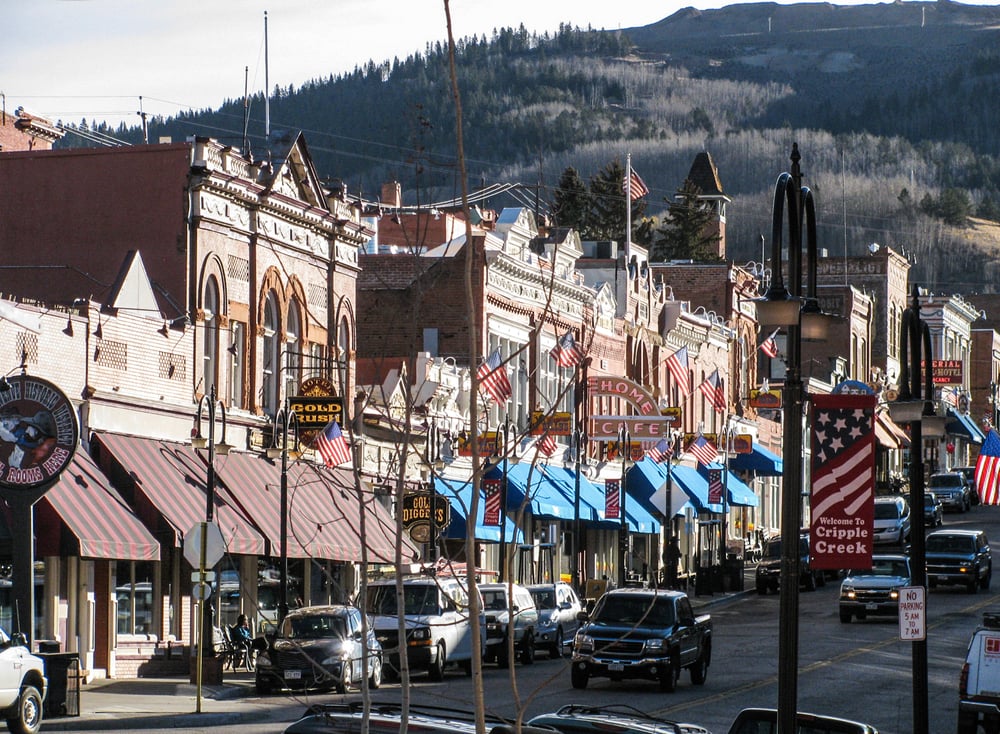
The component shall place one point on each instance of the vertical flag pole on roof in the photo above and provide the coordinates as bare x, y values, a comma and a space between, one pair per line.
628, 209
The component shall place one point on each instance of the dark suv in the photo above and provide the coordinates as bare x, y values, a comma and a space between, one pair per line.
768, 573
959, 557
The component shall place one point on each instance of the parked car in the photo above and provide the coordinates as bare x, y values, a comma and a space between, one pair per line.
874, 591
768, 573
892, 520
969, 472
636, 633
319, 647
933, 513
617, 718
558, 606
438, 627
23, 685
765, 721
510, 613
959, 557
952, 489
979, 682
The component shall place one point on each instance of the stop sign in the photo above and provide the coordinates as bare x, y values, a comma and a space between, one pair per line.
215, 546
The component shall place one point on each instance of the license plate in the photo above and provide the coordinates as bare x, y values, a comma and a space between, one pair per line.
871, 606
293, 675
616, 667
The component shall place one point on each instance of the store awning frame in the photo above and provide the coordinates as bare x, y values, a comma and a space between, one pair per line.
740, 495
761, 461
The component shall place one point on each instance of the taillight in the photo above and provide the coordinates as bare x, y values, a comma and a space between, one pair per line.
963, 680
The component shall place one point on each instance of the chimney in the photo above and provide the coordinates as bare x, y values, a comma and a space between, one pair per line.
392, 195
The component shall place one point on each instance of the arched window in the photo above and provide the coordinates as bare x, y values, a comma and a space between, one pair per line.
210, 355
344, 342
271, 357
293, 349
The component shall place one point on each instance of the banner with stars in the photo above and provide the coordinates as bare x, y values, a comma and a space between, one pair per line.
841, 527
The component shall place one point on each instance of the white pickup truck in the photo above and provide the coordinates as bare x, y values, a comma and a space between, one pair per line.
979, 686
22, 685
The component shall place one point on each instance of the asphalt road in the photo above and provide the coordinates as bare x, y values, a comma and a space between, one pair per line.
859, 670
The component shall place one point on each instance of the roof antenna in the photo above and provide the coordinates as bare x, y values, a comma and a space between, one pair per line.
267, 89
246, 112
145, 127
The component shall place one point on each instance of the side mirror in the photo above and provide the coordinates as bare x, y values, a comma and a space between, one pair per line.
19, 639
259, 644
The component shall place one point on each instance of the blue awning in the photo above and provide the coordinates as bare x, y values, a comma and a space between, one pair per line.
760, 461
696, 487
543, 498
460, 497
961, 425
739, 493
592, 503
647, 482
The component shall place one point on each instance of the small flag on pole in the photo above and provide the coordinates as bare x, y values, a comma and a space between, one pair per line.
660, 452
633, 186
491, 513
566, 353
704, 450
492, 374
677, 364
711, 388
612, 500
547, 445
769, 346
332, 445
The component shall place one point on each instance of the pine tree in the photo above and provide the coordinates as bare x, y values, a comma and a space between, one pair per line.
607, 212
572, 201
685, 234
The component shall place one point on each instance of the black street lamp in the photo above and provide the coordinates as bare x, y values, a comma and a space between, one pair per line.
802, 319
503, 446
579, 453
286, 421
624, 443
919, 412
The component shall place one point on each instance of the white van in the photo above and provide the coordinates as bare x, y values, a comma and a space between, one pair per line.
979, 687
438, 627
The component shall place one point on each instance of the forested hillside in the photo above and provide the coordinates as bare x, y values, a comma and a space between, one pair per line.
894, 108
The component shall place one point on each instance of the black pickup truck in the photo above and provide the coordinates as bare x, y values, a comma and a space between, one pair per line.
649, 634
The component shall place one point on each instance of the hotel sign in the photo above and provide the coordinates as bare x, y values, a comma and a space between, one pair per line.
946, 371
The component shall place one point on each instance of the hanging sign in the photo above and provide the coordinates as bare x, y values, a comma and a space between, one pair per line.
612, 499
38, 433
553, 424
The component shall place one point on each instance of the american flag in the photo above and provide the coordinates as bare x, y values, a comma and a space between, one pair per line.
843, 475
491, 513
633, 186
703, 449
547, 445
612, 500
660, 452
988, 470
715, 487
677, 363
566, 353
712, 389
492, 375
332, 445
769, 346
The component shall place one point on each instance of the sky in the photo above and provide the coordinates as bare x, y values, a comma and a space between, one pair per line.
74, 59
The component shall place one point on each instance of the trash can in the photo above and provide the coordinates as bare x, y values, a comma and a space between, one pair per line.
735, 572
63, 671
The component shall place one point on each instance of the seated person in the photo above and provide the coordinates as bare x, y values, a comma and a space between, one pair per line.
240, 635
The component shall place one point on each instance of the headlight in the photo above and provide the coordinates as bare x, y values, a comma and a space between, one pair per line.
263, 661
583, 643
654, 644
894, 594
420, 633
847, 592
337, 658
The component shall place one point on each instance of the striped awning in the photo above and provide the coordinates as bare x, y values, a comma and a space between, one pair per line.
323, 509
166, 484
82, 510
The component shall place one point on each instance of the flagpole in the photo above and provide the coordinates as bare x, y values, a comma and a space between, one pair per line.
628, 209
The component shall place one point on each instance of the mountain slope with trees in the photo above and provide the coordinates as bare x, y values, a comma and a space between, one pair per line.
893, 107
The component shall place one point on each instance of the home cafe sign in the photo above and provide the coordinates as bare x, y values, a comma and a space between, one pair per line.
647, 423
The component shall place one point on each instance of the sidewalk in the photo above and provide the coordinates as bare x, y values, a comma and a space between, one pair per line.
147, 703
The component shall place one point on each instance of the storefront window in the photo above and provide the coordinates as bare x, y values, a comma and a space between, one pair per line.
134, 598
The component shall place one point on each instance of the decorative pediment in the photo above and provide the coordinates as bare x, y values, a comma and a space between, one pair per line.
132, 290
296, 177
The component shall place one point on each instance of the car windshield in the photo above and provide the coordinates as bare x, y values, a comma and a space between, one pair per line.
544, 598
417, 599
949, 544
886, 511
645, 610
495, 600
883, 567
314, 627
946, 480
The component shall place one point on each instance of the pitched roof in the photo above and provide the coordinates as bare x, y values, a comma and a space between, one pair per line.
705, 175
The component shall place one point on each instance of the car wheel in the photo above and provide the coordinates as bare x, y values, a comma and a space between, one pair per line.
762, 589
668, 680
527, 656
556, 649
931, 583
973, 586
699, 671
845, 616
29, 712
262, 685
375, 678
984, 583
346, 676
579, 677
436, 669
